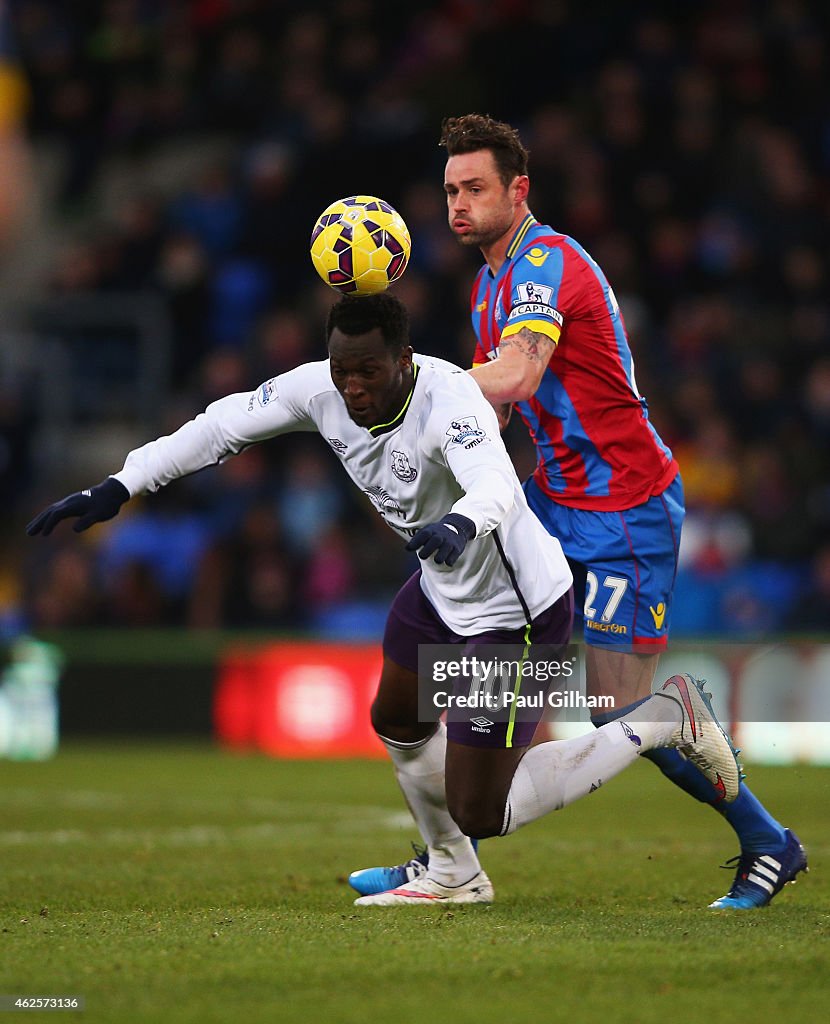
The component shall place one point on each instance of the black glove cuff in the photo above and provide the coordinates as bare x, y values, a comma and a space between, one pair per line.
466, 527
113, 490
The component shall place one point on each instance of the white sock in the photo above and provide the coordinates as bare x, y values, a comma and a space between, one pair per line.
420, 772
552, 775
655, 721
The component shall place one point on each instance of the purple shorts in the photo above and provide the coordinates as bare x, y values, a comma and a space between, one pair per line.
413, 621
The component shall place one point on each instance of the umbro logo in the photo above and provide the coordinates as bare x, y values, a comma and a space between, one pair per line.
482, 724
337, 444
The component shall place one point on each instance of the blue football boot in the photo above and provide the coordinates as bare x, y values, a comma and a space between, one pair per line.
761, 876
370, 881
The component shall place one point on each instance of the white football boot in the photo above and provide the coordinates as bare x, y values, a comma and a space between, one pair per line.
700, 737
424, 891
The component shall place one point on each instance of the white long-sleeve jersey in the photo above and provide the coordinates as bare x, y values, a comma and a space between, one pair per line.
445, 454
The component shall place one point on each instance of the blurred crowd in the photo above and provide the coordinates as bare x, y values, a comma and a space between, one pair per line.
687, 147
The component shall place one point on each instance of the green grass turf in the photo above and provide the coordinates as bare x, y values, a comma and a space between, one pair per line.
180, 883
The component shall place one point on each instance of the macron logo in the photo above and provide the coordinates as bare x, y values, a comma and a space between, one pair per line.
658, 614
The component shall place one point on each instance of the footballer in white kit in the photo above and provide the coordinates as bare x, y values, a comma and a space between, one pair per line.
441, 453
419, 439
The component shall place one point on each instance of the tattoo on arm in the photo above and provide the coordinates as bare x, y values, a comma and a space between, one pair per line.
536, 346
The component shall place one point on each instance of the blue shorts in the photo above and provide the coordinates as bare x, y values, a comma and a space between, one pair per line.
625, 562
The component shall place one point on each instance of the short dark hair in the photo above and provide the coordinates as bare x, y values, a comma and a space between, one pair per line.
472, 132
359, 314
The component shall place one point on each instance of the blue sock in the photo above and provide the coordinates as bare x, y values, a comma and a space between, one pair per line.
756, 829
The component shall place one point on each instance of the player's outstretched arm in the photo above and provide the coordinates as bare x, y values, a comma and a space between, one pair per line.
95, 505
225, 428
516, 374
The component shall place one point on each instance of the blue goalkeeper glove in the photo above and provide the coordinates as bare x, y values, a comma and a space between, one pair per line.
446, 538
96, 505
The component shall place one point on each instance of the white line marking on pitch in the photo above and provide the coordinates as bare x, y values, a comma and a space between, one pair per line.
270, 833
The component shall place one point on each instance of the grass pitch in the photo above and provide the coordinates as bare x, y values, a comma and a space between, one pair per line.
180, 883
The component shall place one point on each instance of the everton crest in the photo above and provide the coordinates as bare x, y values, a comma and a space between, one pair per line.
401, 468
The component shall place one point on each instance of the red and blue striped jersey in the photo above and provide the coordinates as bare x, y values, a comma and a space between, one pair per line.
595, 445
